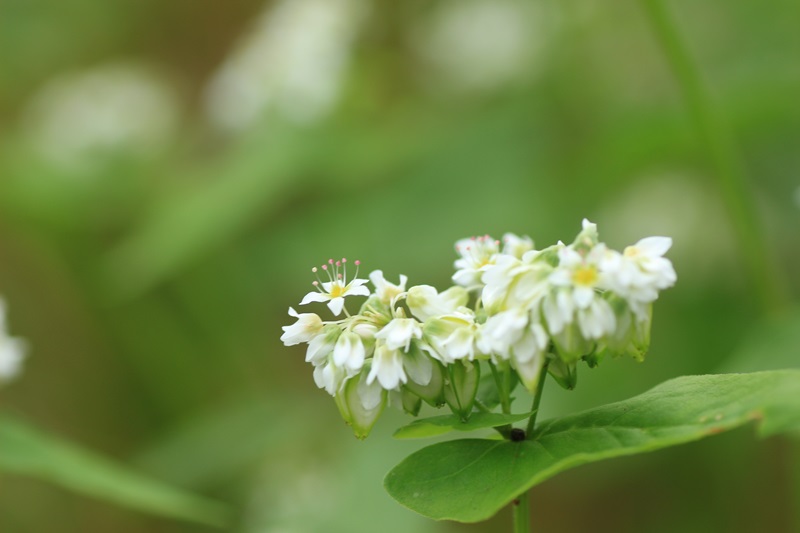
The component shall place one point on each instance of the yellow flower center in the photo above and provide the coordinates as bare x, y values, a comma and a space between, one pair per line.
337, 290
585, 275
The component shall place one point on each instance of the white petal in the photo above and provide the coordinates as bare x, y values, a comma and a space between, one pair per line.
336, 305
582, 296
315, 296
654, 246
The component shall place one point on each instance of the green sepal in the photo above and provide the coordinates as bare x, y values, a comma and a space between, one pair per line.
565, 374
361, 404
411, 402
433, 392
461, 386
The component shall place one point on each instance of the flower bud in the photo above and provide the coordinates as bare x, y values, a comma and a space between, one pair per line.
360, 404
565, 374
432, 391
461, 386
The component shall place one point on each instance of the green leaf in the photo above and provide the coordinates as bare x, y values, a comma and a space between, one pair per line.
470, 480
28, 451
439, 425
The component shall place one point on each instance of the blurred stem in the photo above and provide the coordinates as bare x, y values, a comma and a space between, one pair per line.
522, 514
537, 397
521, 505
726, 165
501, 379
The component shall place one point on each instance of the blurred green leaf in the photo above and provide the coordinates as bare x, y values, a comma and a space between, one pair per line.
772, 344
439, 425
470, 480
28, 451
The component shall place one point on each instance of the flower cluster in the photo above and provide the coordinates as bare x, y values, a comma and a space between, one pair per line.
513, 309
12, 350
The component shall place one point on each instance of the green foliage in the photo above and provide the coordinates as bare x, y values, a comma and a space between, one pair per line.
470, 480
26, 450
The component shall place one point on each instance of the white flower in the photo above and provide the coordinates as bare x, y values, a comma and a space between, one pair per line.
330, 377
425, 302
383, 289
387, 367
516, 246
308, 326
576, 282
399, 332
512, 283
477, 253
349, 352
12, 350
453, 336
335, 290
641, 270
322, 345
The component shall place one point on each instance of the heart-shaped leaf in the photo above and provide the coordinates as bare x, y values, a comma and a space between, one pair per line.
470, 480
439, 425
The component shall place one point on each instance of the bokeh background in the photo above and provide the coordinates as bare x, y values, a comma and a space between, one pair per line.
170, 171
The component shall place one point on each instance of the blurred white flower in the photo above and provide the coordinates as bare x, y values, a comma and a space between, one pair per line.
307, 327
292, 60
383, 289
12, 350
477, 254
113, 108
481, 44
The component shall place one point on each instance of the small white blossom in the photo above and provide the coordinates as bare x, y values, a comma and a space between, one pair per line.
477, 253
425, 302
335, 290
399, 332
330, 377
641, 271
383, 289
387, 367
12, 350
349, 351
308, 326
321, 346
516, 246
576, 282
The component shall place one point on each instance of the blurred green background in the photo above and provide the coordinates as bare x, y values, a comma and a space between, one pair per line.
170, 171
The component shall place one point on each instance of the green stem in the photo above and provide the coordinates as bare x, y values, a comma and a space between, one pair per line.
726, 165
522, 514
502, 388
537, 397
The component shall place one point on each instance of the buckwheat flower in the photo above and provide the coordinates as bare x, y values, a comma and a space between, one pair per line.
337, 288
308, 326
322, 345
383, 289
349, 351
330, 377
516, 246
577, 281
511, 282
12, 350
425, 302
518, 336
454, 336
641, 271
477, 253
387, 367
399, 333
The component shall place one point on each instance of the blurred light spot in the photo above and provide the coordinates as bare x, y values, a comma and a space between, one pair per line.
481, 44
293, 60
78, 118
797, 197
674, 206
